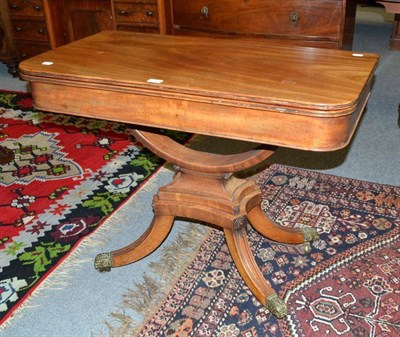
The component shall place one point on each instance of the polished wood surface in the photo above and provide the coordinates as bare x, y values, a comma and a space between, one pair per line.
251, 90
275, 90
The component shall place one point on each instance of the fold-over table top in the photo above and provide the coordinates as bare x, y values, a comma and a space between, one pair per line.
252, 90
251, 73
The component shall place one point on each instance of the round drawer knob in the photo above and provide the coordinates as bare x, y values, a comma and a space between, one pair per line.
294, 17
41, 30
149, 13
204, 13
37, 8
18, 29
14, 6
123, 12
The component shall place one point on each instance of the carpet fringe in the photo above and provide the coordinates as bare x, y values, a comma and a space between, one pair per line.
60, 278
143, 296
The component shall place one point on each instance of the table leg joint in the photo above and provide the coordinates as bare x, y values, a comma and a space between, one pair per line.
240, 222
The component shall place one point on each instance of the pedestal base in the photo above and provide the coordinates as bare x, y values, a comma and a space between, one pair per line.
204, 189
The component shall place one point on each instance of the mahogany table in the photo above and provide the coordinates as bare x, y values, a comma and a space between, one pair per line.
299, 97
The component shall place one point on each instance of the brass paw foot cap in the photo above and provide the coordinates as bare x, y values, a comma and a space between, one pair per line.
310, 234
276, 306
103, 262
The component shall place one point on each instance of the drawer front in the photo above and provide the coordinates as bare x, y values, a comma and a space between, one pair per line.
136, 12
26, 8
27, 50
30, 30
291, 17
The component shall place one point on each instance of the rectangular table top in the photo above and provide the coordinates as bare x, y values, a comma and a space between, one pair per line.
192, 83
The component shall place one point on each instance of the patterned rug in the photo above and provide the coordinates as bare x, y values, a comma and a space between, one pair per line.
348, 285
60, 177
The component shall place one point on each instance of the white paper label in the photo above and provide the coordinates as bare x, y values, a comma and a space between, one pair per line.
155, 80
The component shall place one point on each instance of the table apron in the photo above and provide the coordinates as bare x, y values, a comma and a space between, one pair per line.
316, 133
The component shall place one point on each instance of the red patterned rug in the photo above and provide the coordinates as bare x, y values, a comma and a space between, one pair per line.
60, 177
349, 285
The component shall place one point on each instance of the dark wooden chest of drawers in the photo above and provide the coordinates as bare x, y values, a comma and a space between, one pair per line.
312, 22
29, 27
8, 51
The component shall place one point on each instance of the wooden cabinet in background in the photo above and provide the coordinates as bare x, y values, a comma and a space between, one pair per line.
35, 26
72, 20
26, 31
319, 23
393, 6
8, 51
29, 27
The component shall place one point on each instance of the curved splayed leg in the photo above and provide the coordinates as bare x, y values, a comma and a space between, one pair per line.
266, 227
242, 255
146, 244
